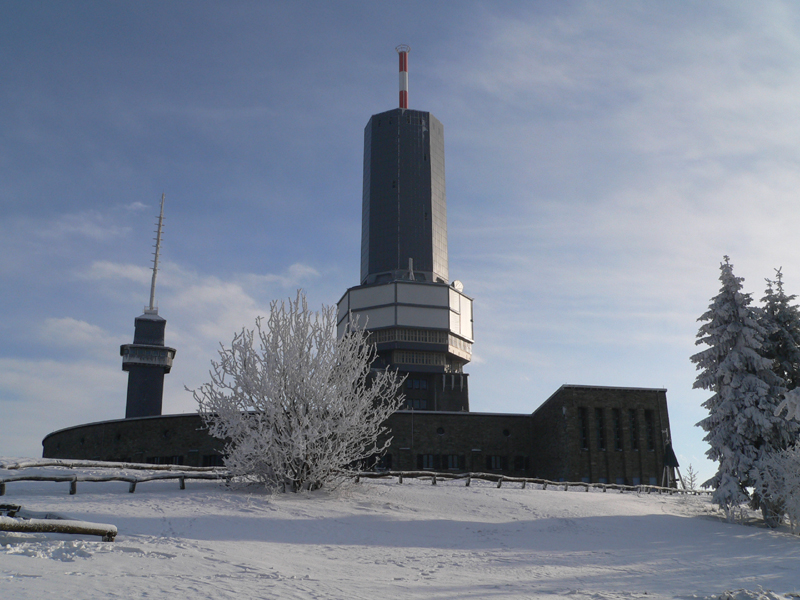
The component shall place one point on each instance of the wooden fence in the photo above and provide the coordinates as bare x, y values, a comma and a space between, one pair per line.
501, 479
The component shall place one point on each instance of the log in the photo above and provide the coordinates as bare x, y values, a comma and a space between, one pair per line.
107, 532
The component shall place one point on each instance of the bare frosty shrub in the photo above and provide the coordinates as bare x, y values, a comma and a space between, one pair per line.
294, 404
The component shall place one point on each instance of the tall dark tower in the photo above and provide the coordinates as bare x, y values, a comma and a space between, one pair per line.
147, 359
420, 322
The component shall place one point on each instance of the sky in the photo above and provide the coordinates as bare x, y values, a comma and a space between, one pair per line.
601, 159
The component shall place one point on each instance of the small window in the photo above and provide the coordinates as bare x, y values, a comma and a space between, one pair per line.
213, 460
455, 462
425, 461
496, 463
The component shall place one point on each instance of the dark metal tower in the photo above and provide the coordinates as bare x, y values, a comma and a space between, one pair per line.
147, 359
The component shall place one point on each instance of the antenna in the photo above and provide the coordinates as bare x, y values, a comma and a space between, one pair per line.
403, 51
153, 309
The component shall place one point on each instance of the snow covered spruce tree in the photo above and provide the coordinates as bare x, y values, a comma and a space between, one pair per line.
741, 426
294, 404
781, 320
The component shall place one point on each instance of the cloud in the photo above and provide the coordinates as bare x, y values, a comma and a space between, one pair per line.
107, 270
89, 224
78, 335
136, 206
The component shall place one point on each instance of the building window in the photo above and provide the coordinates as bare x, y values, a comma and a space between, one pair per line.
417, 403
584, 418
497, 463
164, 460
417, 384
634, 426
454, 461
384, 463
650, 430
616, 413
425, 461
599, 419
213, 460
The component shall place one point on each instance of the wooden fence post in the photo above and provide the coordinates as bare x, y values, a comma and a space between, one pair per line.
182, 481
132, 487
500, 482
469, 480
73, 487
400, 478
433, 482
2, 489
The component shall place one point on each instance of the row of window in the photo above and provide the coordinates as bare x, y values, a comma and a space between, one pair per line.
420, 336
617, 428
416, 384
144, 353
457, 462
425, 336
409, 357
209, 460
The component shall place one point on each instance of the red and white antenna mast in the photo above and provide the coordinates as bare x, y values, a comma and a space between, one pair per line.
403, 51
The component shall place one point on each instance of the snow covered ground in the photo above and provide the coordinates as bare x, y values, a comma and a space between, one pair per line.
379, 539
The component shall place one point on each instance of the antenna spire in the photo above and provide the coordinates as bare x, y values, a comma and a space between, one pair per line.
403, 51
152, 308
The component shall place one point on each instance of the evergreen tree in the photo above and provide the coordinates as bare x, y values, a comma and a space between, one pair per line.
781, 319
741, 426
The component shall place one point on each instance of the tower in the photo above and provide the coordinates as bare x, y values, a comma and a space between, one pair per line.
420, 322
147, 359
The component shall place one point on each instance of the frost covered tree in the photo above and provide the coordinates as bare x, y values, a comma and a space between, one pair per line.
741, 428
294, 403
781, 320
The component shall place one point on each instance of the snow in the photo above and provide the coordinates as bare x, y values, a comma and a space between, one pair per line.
380, 539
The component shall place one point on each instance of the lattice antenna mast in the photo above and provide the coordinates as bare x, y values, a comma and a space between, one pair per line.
403, 51
152, 308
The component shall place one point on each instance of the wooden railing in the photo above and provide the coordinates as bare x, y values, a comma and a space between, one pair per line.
501, 479
179, 472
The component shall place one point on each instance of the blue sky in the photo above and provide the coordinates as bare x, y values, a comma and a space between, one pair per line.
601, 159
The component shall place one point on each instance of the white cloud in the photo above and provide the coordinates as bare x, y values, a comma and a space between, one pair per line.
89, 224
77, 335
